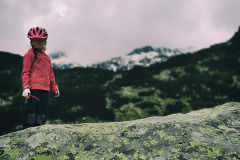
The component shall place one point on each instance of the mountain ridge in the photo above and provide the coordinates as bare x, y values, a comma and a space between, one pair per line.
144, 56
60, 60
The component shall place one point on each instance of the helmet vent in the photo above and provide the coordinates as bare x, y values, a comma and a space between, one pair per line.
37, 32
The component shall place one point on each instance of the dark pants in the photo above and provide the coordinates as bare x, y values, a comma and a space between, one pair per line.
36, 108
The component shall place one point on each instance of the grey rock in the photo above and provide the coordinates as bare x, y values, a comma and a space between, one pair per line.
212, 133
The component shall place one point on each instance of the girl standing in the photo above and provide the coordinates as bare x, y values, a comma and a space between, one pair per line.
37, 78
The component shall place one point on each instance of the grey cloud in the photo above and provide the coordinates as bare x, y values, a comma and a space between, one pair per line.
227, 15
91, 30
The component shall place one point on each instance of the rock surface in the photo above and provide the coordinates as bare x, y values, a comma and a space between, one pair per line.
205, 134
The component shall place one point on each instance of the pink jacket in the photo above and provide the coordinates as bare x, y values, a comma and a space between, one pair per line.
38, 75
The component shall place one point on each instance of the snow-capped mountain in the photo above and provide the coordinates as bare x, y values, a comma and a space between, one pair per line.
144, 56
61, 61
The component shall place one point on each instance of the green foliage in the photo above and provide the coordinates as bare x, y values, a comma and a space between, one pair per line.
183, 83
129, 112
82, 94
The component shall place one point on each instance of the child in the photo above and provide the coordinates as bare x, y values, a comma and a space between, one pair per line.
37, 78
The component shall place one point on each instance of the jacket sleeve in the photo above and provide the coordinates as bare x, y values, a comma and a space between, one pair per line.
54, 86
27, 69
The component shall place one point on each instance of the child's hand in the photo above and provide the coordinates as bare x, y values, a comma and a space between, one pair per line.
26, 93
56, 94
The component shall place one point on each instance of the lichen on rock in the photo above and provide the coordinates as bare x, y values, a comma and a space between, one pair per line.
212, 133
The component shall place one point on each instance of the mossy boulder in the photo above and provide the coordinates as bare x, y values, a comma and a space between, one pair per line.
212, 133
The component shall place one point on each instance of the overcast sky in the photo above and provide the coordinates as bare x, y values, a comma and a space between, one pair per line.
95, 30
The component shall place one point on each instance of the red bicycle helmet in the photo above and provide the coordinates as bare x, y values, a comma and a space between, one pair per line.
37, 32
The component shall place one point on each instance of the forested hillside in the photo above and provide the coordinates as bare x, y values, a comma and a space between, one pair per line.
187, 82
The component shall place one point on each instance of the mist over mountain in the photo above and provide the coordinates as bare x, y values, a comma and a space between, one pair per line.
60, 60
57, 55
145, 56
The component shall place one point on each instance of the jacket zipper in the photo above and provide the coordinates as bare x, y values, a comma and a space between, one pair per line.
46, 71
